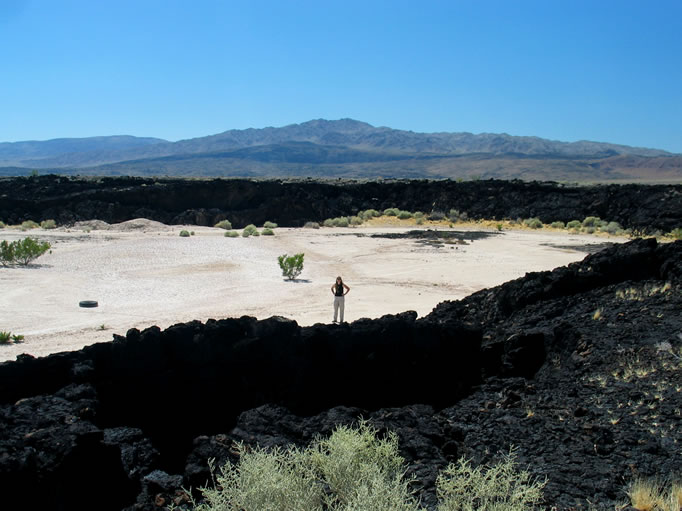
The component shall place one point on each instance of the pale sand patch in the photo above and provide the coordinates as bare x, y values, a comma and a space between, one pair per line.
143, 274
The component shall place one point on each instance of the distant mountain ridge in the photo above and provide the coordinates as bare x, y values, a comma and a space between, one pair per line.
337, 148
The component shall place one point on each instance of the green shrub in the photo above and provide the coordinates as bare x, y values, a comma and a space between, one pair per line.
2, 224
7, 252
48, 224
496, 488
591, 221
419, 220
404, 215
356, 220
231, 234
184, 234
612, 228
574, 224
22, 251
270, 225
590, 230
268, 232
311, 225
533, 223
29, 224
437, 215
250, 230
5, 337
352, 470
329, 222
191, 233
391, 212
340, 221
224, 224
676, 233
418, 214
558, 225
368, 213
291, 266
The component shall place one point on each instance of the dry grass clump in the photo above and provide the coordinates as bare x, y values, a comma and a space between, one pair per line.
652, 495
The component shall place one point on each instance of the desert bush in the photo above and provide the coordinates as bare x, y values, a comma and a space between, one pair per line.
311, 225
500, 487
48, 224
340, 221
574, 224
612, 228
22, 251
418, 214
224, 224
391, 212
557, 225
591, 221
356, 220
675, 233
291, 266
191, 233
404, 215
590, 230
231, 234
368, 213
351, 470
533, 223
419, 220
436, 215
184, 234
29, 224
2, 224
329, 222
276, 480
6, 337
268, 232
270, 225
250, 230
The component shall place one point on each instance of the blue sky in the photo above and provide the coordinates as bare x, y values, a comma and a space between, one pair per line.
607, 71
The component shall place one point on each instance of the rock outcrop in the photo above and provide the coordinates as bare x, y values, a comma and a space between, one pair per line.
579, 368
291, 203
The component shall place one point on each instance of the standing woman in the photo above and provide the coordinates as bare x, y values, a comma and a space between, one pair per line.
339, 290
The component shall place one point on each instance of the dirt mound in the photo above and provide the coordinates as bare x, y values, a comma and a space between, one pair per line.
140, 224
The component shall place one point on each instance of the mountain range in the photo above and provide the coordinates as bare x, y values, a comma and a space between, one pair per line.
343, 148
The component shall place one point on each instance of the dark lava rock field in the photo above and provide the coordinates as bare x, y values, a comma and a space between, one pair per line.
579, 369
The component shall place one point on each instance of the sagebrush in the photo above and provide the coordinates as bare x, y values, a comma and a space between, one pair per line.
356, 469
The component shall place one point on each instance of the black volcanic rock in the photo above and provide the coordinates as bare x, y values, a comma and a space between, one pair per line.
291, 203
578, 368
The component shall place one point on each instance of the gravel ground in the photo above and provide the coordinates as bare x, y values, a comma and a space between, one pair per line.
143, 273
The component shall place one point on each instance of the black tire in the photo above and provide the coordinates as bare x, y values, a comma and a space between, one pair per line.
87, 303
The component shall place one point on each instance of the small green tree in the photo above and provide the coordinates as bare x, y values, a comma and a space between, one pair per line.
22, 251
291, 266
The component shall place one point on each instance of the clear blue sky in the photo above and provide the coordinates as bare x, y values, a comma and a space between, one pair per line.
607, 71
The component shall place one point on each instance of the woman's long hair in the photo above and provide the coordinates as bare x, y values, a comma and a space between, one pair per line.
339, 279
